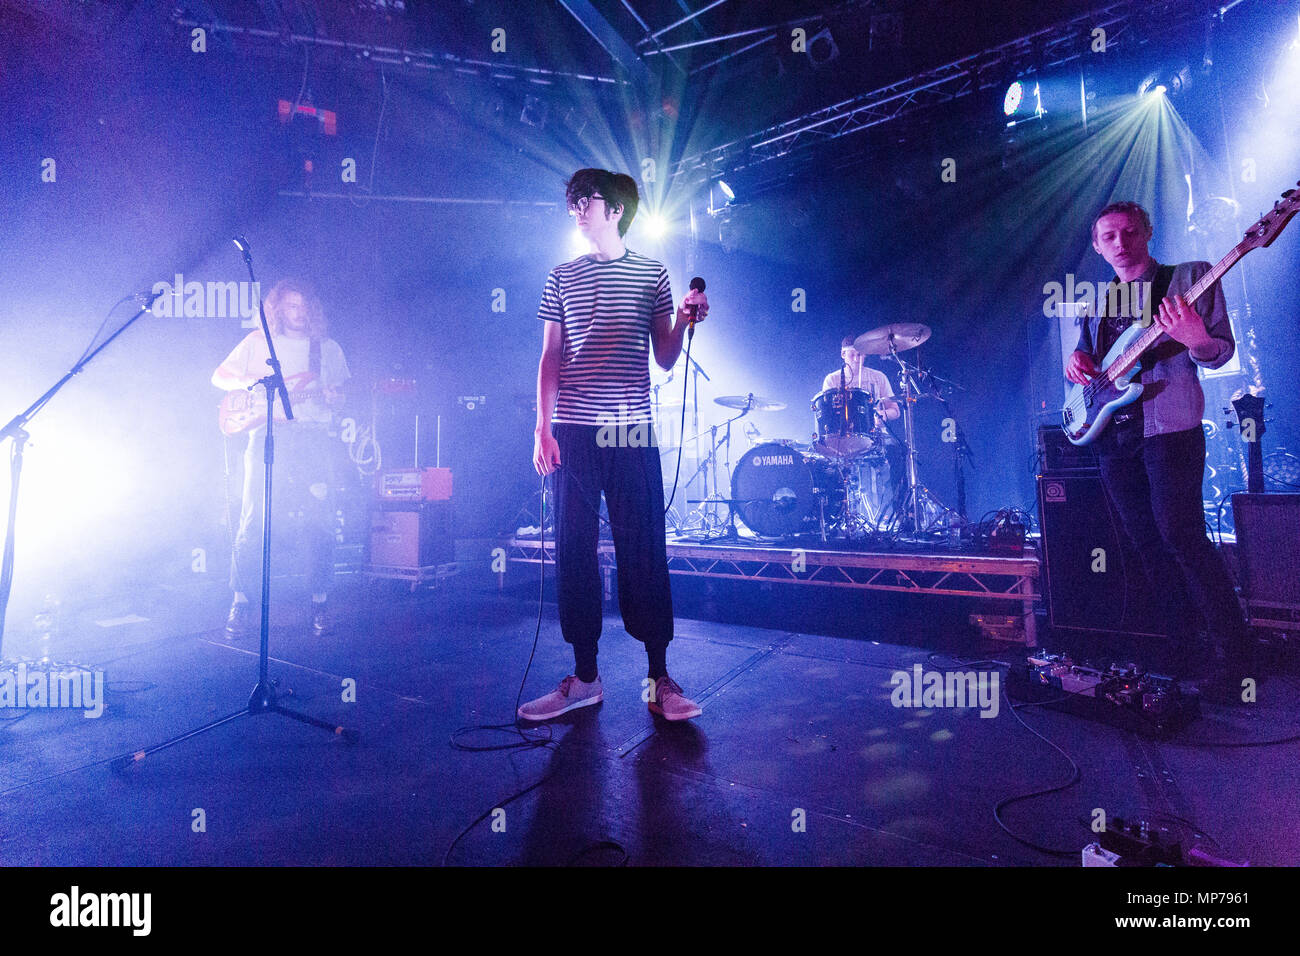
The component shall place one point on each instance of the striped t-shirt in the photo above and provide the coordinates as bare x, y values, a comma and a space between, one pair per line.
606, 309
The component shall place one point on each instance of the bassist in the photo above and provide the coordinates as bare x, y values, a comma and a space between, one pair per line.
1152, 456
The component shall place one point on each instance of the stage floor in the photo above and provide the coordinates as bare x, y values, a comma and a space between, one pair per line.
796, 725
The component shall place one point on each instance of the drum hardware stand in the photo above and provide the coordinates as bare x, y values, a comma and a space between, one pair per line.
695, 370
263, 699
709, 519
961, 449
917, 500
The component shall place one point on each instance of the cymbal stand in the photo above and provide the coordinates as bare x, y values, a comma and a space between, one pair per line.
917, 500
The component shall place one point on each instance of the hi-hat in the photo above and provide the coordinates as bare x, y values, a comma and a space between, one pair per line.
751, 402
902, 335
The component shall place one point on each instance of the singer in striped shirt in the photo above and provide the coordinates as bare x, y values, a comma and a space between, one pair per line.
603, 314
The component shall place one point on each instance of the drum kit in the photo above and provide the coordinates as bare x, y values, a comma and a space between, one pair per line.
842, 482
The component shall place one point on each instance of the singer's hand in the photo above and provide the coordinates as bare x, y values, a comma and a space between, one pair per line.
695, 298
546, 452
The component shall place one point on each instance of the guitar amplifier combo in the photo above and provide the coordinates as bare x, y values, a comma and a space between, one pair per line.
410, 537
1092, 579
1268, 555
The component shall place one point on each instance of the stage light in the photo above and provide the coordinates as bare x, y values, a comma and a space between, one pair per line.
1023, 101
1015, 94
728, 196
1171, 82
655, 225
578, 242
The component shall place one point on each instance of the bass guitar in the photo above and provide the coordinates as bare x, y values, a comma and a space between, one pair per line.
1089, 408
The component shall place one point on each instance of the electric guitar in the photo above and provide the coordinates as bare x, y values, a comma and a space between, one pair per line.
1089, 408
242, 410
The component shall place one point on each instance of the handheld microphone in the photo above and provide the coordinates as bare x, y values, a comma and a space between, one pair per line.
697, 285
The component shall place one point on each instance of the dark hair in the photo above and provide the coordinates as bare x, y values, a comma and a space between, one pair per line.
847, 341
617, 188
1122, 206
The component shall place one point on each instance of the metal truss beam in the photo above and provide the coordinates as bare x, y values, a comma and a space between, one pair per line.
987, 577
1049, 47
400, 57
611, 42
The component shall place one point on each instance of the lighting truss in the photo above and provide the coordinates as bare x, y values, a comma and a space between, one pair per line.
1049, 47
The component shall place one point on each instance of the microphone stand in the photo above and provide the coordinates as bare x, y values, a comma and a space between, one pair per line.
263, 699
16, 429
961, 449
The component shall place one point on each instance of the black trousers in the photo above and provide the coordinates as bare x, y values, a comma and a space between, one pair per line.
592, 460
1155, 485
303, 507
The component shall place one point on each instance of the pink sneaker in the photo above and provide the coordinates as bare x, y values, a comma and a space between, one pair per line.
668, 701
570, 695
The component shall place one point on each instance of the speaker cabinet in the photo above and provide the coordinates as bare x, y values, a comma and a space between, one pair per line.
1081, 531
411, 535
1268, 555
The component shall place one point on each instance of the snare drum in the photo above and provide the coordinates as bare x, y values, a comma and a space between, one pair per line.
845, 422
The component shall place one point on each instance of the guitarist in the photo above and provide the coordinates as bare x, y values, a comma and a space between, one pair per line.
314, 372
1152, 454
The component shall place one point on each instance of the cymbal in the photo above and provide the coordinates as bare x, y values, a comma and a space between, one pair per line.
751, 401
904, 335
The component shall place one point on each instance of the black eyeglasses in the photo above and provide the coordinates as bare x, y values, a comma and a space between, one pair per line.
581, 205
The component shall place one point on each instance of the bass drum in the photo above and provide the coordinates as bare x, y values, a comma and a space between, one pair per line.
782, 491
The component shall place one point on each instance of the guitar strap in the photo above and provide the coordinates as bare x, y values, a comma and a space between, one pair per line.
313, 359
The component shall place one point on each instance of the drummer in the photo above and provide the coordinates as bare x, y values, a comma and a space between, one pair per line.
856, 374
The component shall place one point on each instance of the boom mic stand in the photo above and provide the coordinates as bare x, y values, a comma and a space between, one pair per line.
263, 699
16, 430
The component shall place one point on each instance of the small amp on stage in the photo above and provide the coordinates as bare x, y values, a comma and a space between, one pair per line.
413, 484
411, 526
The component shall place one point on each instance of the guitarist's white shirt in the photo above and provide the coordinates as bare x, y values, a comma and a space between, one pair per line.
247, 363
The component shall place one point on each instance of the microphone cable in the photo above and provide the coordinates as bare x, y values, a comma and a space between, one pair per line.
681, 426
525, 741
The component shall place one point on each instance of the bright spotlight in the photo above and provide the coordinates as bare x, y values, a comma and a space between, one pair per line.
726, 190
1160, 89
655, 225
578, 242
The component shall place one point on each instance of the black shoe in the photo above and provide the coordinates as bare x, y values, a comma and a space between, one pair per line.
321, 622
240, 622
